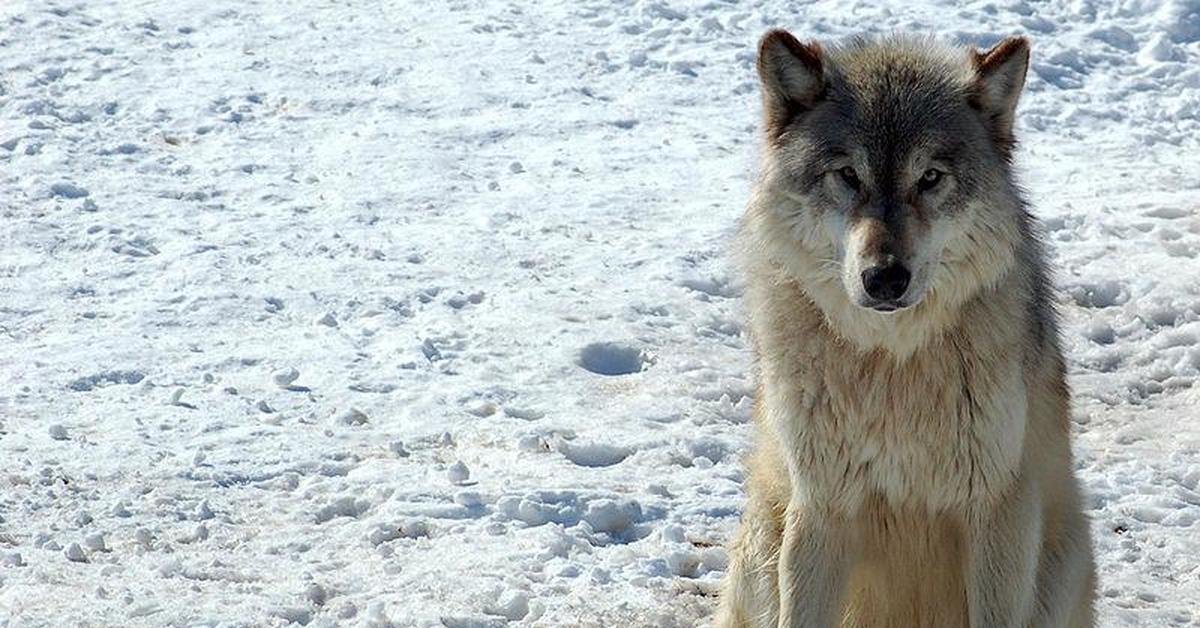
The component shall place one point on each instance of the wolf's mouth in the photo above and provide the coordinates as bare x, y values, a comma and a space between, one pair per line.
886, 306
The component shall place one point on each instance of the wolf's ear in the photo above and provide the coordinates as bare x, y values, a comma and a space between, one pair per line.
999, 77
792, 76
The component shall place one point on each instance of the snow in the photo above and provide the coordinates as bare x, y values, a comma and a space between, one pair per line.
373, 313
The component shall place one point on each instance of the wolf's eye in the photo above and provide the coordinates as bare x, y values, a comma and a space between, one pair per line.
929, 179
850, 177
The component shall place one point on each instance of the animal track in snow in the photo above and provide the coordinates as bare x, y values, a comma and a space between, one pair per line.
1169, 213
712, 287
90, 382
593, 454
1100, 294
460, 300
66, 189
344, 506
611, 519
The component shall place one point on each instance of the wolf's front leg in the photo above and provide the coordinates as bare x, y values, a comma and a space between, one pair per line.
813, 566
1005, 542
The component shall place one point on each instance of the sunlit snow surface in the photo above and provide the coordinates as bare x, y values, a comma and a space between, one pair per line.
358, 312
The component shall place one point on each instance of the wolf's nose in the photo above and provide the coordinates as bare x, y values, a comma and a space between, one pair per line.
886, 282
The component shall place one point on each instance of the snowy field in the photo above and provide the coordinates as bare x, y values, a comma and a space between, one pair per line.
422, 314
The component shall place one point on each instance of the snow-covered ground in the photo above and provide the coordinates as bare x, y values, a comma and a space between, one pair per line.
356, 312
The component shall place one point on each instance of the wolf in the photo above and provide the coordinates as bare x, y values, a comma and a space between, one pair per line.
912, 465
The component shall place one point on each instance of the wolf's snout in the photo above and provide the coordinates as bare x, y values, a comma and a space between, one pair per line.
886, 282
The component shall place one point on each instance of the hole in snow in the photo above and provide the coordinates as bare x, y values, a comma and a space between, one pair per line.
611, 358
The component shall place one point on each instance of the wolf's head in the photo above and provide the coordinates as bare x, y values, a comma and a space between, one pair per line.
888, 166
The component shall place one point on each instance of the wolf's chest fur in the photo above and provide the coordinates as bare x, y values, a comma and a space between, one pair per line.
939, 429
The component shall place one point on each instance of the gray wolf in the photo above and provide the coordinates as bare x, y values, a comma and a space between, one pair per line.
913, 460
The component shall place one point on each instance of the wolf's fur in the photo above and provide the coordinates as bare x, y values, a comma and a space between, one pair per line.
913, 468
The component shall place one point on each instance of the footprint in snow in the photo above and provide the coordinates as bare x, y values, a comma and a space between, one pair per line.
91, 382
709, 287
593, 454
613, 358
